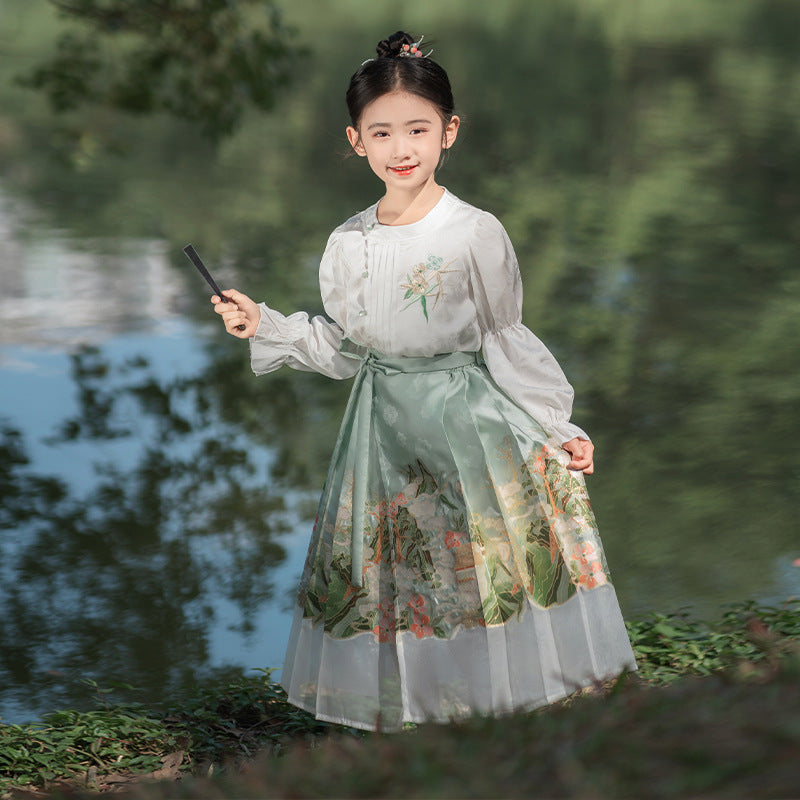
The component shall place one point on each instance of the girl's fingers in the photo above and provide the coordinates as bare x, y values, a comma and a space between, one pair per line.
582, 455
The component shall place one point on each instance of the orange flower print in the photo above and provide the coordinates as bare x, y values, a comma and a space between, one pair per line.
416, 601
583, 552
421, 630
453, 539
385, 630
420, 626
386, 627
593, 575
590, 567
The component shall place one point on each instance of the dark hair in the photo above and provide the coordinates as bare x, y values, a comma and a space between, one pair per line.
391, 72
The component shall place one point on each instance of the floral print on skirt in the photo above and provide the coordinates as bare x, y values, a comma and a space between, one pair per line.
455, 566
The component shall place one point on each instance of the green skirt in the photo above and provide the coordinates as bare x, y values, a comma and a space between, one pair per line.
455, 566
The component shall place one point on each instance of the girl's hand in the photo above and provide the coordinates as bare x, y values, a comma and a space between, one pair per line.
582, 453
240, 310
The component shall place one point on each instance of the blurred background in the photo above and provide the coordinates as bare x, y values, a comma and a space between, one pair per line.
156, 500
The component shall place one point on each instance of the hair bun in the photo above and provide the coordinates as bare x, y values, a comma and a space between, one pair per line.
391, 47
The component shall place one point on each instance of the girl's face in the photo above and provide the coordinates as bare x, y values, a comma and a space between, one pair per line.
402, 136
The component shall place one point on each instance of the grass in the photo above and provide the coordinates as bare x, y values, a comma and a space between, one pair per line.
663, 733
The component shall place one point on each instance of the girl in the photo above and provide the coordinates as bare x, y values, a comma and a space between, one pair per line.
454, 566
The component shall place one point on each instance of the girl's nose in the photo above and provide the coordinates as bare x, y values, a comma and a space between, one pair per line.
401, 148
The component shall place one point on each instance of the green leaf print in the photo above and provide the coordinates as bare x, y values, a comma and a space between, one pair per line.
425, 280
414, 544
427, 483
342, 600
433, 568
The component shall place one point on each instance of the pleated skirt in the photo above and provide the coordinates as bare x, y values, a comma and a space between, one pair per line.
455, 566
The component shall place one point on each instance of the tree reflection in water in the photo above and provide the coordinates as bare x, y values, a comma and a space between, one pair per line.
116, 583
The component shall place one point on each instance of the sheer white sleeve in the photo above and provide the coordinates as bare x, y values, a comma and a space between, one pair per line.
306, 344
517, 360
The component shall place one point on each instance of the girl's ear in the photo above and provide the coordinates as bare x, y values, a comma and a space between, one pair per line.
354, 137
450, 132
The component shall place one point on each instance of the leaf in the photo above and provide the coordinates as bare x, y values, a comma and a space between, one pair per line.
424, 302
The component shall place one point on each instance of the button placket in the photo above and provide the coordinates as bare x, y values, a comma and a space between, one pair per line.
365, 272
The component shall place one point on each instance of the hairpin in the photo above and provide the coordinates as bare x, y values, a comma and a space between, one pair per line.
411, 50
408, 51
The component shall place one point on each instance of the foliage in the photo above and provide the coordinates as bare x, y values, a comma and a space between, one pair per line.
71, 743
614, 739
235, 721
225, 722
672, 646
710, 738
205, 62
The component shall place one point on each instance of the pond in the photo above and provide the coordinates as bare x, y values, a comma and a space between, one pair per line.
156, 498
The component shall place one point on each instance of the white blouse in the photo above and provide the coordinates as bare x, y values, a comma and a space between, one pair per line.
448, 282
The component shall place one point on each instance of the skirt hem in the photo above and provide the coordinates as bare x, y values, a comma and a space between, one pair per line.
445, 720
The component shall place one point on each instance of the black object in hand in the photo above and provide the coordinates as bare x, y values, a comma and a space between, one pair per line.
201, 268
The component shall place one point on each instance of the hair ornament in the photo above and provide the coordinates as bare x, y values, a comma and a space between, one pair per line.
406, 51
412, 50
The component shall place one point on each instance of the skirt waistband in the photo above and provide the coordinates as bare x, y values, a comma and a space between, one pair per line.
392, 364
440, 363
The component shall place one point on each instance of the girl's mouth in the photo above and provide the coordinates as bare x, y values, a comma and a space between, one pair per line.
405, 170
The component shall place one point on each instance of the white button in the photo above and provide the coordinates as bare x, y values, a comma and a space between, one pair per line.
362, 313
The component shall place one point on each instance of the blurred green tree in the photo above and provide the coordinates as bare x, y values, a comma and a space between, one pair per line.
206, 61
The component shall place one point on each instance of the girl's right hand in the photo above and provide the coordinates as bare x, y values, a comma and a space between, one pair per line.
240, 310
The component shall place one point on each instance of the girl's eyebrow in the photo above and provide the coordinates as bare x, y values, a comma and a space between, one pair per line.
388, 125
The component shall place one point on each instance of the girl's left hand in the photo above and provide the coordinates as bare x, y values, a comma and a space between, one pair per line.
582, 453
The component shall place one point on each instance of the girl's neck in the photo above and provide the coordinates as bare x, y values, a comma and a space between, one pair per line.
404, 208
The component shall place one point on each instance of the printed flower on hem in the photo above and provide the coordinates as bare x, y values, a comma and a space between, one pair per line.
386, 628
424, 281
416, 601
454, 539
590, 567
421, 631
583, 552
593, 575
421, 624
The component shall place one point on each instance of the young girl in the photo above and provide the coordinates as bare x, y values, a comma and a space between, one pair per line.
454, 566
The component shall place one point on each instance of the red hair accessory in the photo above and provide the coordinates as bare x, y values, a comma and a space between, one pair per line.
410, 50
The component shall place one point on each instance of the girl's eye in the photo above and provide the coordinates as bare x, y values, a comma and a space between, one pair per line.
419, 130
380, 134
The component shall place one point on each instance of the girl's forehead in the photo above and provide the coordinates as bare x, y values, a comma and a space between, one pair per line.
397, 106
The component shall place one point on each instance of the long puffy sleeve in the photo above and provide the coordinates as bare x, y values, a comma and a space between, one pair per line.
311, 345
517, 360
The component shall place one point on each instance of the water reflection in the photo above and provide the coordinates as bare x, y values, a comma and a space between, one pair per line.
58, 289
120, 581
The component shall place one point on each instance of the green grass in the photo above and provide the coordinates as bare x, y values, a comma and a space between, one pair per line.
714, 710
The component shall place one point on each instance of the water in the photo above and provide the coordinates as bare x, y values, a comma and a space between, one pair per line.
73, 369
156, 498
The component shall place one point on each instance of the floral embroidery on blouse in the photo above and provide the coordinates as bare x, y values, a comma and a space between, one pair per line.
425, 281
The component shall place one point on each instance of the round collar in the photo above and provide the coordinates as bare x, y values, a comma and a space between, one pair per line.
433, 219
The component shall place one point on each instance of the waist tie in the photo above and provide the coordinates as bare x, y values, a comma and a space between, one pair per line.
363, 389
